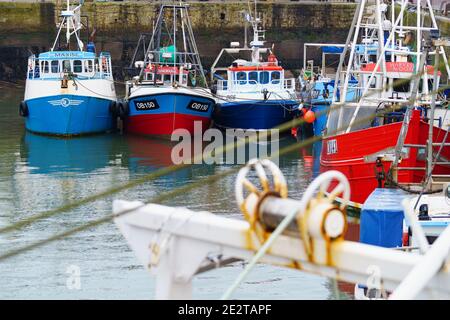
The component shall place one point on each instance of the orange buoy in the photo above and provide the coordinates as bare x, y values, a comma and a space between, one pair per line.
309, 116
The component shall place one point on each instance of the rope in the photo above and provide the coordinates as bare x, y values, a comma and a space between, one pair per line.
149, 177
78, 82
168, 195
260, 253
152, 176
136, 182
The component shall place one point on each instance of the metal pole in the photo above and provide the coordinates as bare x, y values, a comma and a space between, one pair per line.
418, 34
431, 117
344, 52
441, 48
425, 270
366, 88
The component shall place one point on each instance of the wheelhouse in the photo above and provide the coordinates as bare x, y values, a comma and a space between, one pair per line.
56, 64
255, 78
395, 72
165, 75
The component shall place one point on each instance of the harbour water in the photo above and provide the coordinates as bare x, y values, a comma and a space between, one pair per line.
38, 173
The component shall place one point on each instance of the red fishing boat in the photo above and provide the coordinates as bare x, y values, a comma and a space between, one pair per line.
169, 90
383, 138
362, 155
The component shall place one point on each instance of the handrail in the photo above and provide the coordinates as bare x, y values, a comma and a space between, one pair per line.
101, 68
236, 85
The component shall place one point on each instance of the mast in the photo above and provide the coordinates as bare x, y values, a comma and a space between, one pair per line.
258, 36
71, 21
187, 58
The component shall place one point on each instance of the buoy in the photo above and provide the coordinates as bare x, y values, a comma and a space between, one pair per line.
309, 116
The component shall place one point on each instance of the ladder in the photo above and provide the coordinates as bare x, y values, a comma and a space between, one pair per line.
405, 125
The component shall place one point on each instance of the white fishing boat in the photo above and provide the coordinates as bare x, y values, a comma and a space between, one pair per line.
69, 90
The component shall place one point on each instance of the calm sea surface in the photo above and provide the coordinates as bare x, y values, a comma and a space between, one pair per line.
39, 173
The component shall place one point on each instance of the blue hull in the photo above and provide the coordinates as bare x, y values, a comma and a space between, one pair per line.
258, 115
321, 113
69, 115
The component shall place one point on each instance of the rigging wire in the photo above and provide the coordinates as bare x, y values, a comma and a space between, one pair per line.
168, 195
154, 175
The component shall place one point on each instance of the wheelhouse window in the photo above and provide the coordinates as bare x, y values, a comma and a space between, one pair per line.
167, 79
77, 66
149, 76
429, 84
253, 77
66, 66
373, 83
264, 77
400, 85
88, 66
276, 75
241, 77
44, 67
55, 66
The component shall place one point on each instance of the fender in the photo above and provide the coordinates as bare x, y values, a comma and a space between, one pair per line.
23, 109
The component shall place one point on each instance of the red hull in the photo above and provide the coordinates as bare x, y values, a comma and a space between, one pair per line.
163, 124
348, 153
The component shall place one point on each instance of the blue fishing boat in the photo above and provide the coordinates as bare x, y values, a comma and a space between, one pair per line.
318, 83
255, 94
69, 92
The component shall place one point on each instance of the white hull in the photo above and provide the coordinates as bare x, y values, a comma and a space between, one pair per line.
96, 88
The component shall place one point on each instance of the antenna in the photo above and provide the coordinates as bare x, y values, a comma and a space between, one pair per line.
71, 20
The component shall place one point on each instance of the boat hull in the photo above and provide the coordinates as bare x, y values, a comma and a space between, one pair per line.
321, 114
355, 153
257, 115
68, 114
163, 113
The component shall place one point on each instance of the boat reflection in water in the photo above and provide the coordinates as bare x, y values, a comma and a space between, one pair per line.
143, 155
45, 154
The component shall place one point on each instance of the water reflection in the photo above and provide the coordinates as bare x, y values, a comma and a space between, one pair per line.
49, 155
38, 173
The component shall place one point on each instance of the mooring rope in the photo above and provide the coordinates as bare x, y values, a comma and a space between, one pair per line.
148, 178
155, 175
168, 195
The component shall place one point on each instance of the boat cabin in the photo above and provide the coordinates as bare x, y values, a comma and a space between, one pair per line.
56, 64
248, 78
165, 75
395, 72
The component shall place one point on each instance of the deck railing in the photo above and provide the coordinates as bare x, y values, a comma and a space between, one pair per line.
254, 86
101, 69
